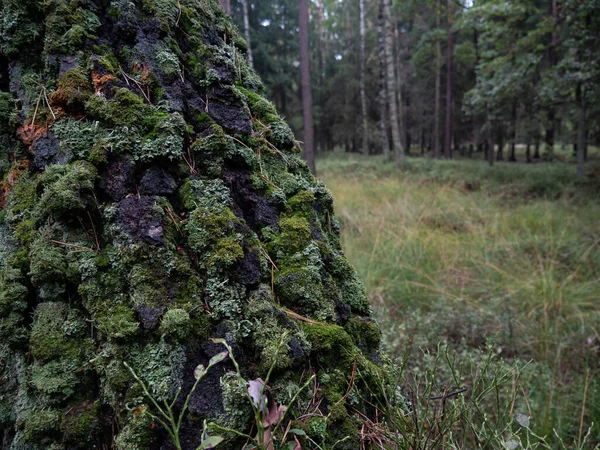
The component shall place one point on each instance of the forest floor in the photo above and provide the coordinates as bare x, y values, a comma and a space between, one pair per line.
458, 255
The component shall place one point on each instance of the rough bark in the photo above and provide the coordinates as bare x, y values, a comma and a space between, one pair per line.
146, 211
309, 130
363, 69
392, 83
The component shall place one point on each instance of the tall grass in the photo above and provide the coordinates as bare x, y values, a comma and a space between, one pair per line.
464, 254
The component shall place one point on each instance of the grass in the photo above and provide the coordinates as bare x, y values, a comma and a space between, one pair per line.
457, 253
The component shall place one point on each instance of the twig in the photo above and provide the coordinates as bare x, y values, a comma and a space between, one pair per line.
94, 231
139, 86
451, 394
66, 244
585, 389
302, 318
174, 221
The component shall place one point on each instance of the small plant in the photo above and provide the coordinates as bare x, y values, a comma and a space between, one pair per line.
166, 415
268, 415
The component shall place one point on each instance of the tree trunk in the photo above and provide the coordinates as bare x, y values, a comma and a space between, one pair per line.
128, 258
513, 144
383, 88
581, 132
391, 83
449, 76
536, 153
528, 150
309, 132
363, 95
226, 6
438, 90
247, 32
490, 144
500, 154
321, 134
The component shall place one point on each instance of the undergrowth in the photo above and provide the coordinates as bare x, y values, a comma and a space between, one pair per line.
457, 254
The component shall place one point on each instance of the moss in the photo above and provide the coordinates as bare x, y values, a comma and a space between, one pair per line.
365, 333
260, 108
39, 426
176, 323
80, 424
72, 91
56, 331
331, 343
49, 269
295, 233
115, 321
301, 287
22, 198
137, 433
67, 189
225, 253
302, 204
124, 109
55, 380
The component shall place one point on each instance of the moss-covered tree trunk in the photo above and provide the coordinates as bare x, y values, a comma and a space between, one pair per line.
152, 199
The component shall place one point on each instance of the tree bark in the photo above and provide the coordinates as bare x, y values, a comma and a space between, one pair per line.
383, 87
438, 89
247, 31
500, 153
449, 57
309, 132
490, 144
363, 95
392, 83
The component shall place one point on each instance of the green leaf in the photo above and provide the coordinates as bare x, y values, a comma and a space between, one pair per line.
218, 358
298, 432
210, 442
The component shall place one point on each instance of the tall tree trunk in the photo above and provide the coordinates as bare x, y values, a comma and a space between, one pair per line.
363, 94
500, 154
536, 153
581, 132
438, 90
490, 143
321, 138
553, 57
528, 150
513, 144
309, 131
247, 31
391, 83
449, 56
383, 88
226, 6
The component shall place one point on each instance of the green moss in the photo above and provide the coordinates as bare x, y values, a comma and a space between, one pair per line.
331, 341
39, 426
365, 333
260, 108
115, 321
225, 253
49, 269
124, 109
67, 189
302, 203
22, 198
80, 423
72, 91
295, 233
137, 433
56, 331
176, 323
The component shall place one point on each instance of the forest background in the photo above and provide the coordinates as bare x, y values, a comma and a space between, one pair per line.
467, 265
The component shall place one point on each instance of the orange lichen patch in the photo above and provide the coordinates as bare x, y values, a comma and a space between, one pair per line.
30, 132
101, 81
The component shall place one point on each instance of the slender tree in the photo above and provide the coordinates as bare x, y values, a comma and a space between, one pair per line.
392, 83
307, 115
449, 58
383, 107
247, 31
438, 88
226, 5
363, 95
